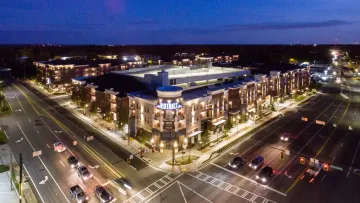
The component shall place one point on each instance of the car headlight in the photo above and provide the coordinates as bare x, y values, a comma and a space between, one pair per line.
250, 165
286, 139
257, 177
281, 138
127, 186
255, 167
72, 166
87, 198
263, 179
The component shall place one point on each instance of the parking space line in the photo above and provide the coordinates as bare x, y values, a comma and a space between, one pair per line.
243, 195
237, 190
228, 187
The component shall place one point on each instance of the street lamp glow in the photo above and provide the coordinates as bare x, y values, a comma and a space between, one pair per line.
175, 145
334, 73
152, 140
185, 140
161, 145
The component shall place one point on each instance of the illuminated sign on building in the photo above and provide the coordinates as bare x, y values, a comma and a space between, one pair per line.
169, 106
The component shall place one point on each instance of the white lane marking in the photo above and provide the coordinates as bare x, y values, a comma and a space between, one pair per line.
33, 183
37, 132
29, 120
44, 165
323, 178
69, 150
266, 148
8, 103
348, 172
48, 146
194, 191
253, 181
19, 102
6, 134
333, 160
297, 155
182, 193
341, 144
158, 188
62, 163
355, 153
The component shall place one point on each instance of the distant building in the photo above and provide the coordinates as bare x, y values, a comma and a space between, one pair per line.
107, 56
57, 74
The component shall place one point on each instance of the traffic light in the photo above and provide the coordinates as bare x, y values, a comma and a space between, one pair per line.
282, 155
326, 167
302, 160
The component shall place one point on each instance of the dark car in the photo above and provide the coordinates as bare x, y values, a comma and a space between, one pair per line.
73, 161
102, 194
285, 137
237, 162
84, 173
257, 162
265, 174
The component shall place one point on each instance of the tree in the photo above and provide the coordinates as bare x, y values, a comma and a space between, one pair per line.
93, 108
228, 125
205, 137
142, 136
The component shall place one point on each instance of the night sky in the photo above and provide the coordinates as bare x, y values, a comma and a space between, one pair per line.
180, 21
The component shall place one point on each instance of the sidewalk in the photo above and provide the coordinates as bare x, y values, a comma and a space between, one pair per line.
7, 195
157, 159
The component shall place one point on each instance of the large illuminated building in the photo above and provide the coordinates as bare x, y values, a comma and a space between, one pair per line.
179, 102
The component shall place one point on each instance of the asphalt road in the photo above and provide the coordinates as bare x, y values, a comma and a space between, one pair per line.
336, 145
34, 126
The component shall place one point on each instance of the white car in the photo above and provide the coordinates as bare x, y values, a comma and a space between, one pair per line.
59, 147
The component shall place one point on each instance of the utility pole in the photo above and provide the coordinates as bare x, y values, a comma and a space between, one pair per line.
20, 180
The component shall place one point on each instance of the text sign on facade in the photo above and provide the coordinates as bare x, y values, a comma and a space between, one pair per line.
169, 106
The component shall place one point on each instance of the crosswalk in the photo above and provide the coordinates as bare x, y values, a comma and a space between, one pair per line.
151, 189
244, 194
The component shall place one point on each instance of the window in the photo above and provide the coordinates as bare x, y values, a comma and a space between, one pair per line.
168, 125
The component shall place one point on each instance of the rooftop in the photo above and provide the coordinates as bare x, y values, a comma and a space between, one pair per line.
106, 82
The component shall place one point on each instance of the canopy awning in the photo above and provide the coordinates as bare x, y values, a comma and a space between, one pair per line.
194, 133
219, 122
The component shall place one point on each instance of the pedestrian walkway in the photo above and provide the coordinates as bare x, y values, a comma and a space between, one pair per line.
10, 194
158, 159
7, 195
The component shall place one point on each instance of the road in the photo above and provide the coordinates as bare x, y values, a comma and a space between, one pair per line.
34, 126
336, 145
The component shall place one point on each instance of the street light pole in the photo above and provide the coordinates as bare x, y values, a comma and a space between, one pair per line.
173, 153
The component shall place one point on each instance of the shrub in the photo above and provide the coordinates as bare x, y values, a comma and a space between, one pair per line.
3, 168
3, 138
